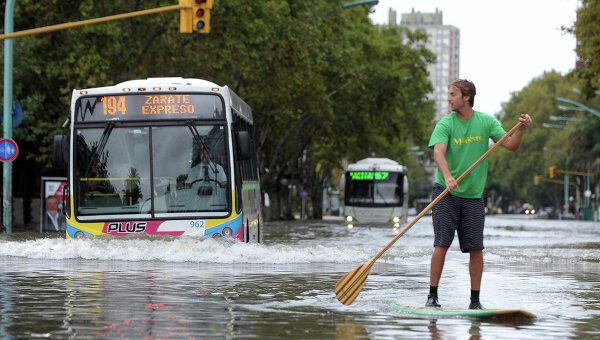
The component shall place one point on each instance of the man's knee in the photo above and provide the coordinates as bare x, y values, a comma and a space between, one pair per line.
441, 249
476, 253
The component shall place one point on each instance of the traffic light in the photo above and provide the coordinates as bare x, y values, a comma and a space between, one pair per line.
537, 180
201, 15
552, 171
186, 16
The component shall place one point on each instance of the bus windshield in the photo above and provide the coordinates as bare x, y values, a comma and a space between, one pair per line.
188, 161
373, 188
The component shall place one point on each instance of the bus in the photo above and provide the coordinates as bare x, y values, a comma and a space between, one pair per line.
376, 192
161, 156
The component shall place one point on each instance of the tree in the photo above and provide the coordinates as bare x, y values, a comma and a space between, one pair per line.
587, 32
511, 175
323, 82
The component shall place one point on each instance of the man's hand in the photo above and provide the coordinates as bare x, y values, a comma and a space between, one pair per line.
525, 120
451, 182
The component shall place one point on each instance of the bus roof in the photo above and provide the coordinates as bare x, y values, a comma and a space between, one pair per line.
377, 164
192, 82
170, 84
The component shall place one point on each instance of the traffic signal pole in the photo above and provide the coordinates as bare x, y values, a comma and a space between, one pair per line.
9, 10
552, 171
74, 24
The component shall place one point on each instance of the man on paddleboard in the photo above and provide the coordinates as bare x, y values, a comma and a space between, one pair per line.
458, 140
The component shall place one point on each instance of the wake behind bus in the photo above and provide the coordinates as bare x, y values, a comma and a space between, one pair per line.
376, 192
161, 156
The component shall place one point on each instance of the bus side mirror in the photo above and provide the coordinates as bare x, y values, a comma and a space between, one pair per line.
61, 151
66, 203
244, 143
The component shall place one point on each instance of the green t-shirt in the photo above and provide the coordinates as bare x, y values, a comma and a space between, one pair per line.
466, 141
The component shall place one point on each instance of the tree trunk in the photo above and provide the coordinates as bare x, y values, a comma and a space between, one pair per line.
317, 203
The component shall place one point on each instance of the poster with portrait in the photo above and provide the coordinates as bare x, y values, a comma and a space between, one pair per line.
52, 211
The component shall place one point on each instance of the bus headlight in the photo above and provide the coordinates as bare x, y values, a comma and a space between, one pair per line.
396, 219
348, 218
216, 235
350, 226
79, 234
396, 225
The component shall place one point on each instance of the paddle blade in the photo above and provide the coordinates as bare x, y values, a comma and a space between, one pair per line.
350, 285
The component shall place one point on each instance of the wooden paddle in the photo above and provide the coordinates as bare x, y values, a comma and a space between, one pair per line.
350, 285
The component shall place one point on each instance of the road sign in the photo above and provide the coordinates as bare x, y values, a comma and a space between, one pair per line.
8, 150
17, 114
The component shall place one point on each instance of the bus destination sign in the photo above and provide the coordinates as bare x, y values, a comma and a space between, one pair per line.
153, 105
149, 107
369, 175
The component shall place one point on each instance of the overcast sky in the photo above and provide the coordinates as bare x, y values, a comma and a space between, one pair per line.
503, 44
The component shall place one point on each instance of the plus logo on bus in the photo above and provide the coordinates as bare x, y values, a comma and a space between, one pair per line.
124, 227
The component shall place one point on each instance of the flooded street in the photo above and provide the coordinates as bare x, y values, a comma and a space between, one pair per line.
199, 288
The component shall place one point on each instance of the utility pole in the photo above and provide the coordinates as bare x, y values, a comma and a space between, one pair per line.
9, 10
553, 171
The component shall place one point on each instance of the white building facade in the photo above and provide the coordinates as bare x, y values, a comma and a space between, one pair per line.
444, 41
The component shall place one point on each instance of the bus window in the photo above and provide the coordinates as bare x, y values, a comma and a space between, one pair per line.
191, 173
359, 192
111, 178
388, 190
374, 188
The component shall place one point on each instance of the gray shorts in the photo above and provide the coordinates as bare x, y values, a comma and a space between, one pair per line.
465, 215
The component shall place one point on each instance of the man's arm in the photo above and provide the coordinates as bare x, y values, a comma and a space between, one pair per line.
221, 176
513, 142
62, 221
439, 157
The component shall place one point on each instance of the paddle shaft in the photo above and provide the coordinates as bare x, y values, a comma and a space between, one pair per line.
443, 194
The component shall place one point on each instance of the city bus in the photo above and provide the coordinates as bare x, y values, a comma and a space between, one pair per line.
376, 192
161, 156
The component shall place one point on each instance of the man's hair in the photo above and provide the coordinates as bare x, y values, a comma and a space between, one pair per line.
52, 197
466, 88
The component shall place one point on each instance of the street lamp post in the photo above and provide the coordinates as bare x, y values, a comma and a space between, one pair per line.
564, 118
577, 106
553, 126
366, 3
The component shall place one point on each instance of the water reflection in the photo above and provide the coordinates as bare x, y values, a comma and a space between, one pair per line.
346, 329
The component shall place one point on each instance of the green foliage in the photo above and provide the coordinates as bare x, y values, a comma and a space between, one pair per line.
573, 147
324, 83
587, 31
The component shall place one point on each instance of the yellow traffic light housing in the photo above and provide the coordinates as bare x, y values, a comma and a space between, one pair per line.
186, 16
201, 15
552, 171
537, 180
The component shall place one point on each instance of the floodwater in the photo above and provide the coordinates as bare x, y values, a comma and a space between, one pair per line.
205, 288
